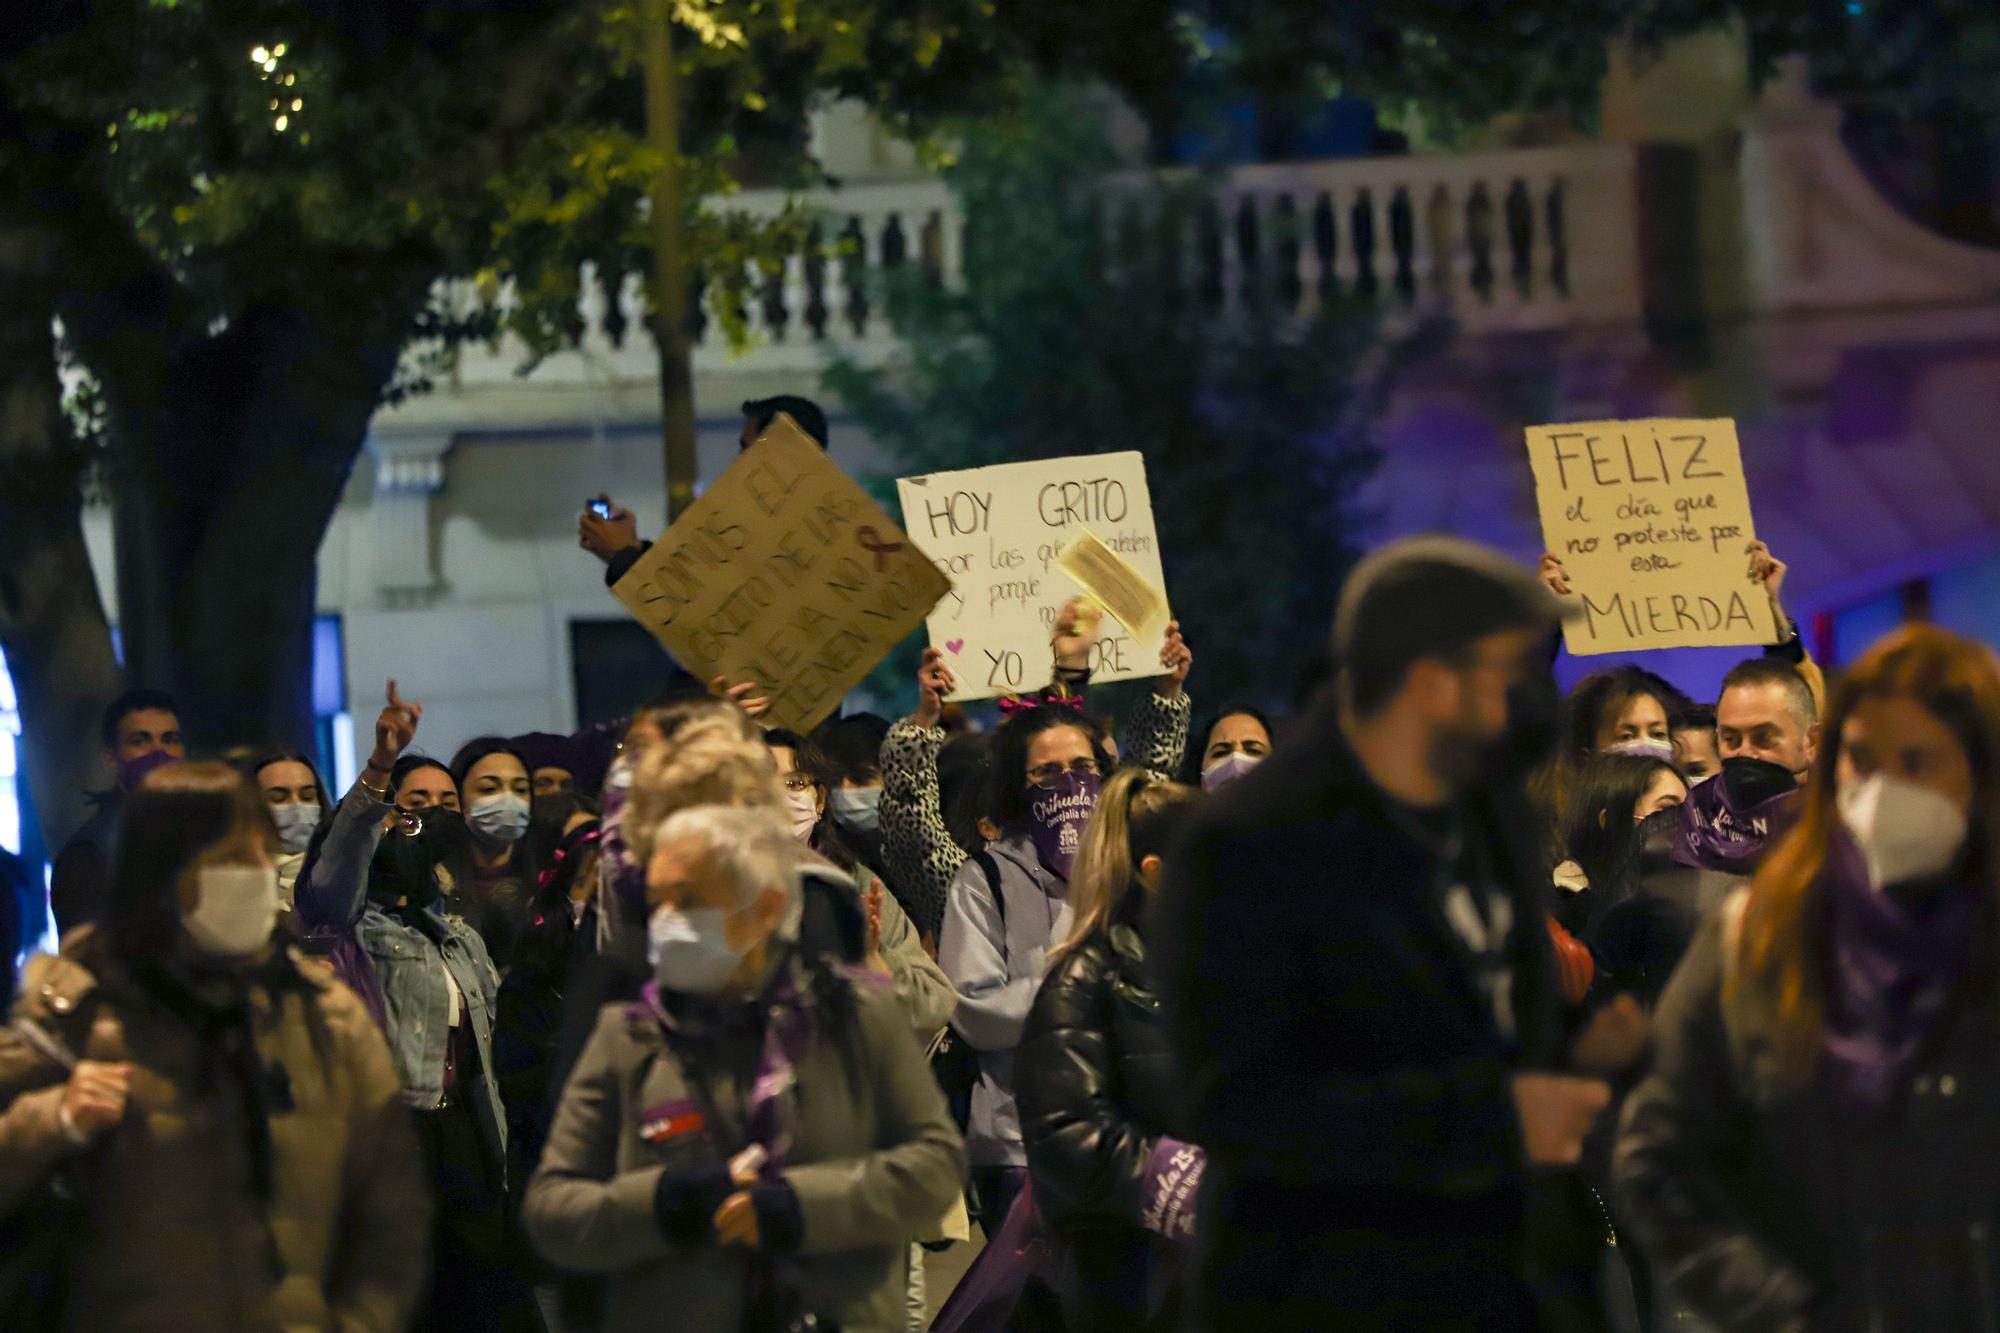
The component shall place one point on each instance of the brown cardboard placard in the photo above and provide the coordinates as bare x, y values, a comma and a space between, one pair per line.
1651, 520
784, 573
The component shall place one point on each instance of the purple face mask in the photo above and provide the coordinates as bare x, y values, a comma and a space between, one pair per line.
1056, 816
131, 772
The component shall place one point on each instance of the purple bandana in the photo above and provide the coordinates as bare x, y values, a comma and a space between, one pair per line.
131, 772
1715, 834
1893, 968
1056, 816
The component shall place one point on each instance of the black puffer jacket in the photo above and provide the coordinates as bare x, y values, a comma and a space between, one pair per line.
1094, 1079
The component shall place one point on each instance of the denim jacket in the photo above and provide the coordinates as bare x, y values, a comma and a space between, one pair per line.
409, 966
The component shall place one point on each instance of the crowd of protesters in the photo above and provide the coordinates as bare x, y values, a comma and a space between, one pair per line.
1448, 1003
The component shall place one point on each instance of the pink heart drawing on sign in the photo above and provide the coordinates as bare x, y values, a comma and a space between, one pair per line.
956, 646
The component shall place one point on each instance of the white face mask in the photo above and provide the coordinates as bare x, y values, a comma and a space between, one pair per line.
805, 811
501, 817
690, 951
238, 908
295, 825
1223, 771
1905, 832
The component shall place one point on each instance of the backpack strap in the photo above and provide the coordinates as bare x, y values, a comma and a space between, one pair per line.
990, 868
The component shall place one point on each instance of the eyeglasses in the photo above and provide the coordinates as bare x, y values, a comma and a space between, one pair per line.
1048, 775
796, 782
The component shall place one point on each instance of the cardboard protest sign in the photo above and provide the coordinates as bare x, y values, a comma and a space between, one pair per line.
1652, 521
784, 573
999, 533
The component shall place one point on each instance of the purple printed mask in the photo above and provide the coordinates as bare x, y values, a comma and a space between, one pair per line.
131, 772
1056, 816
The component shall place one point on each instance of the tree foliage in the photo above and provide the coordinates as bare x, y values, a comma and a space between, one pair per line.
1254, 428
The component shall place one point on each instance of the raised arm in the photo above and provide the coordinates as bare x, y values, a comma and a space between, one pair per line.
923, 858
334, 888
1156, 734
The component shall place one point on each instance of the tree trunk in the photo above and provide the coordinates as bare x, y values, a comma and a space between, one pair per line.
52, 625
230, 465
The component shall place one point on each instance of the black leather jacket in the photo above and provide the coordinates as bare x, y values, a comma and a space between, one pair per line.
1094, 1078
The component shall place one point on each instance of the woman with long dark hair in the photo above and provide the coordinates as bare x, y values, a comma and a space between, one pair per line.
1009, 906
500, 876
247, 1159
1612, 795
298, 805
1815, 1146
379, 890
1095, 1076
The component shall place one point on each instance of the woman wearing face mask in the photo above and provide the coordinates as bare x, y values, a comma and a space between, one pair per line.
380, 900
1611, 796
1096, 1079
683, 1162
500, 877
1236, 742
245, 1155
1009, 906
297, 804
1814, 1146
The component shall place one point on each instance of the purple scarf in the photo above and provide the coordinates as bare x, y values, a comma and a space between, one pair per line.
1716, 834
1891, 971
790, 1022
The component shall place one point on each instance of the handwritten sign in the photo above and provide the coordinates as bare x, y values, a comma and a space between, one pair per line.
999, 534
1652, 521
784, 573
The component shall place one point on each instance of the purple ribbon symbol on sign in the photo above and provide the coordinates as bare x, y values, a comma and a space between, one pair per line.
871, 540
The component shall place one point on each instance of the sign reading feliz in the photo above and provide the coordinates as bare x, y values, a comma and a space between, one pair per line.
999, 534
784, 573
1651, 519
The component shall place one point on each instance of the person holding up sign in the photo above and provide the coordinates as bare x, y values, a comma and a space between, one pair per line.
923, 857
1768, 573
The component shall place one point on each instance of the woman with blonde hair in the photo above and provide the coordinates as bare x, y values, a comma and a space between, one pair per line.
1816, 1145
1094, 1077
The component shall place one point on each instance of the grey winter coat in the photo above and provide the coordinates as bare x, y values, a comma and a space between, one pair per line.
876, 1162
994, 954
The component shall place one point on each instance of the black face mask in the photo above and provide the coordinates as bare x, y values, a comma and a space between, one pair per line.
548, 814
1653, 846
405, 864
1752, 782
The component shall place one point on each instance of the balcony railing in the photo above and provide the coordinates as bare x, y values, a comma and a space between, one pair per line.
1534, 239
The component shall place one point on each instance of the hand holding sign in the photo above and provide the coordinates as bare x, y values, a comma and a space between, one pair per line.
934, 684
1178, 659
